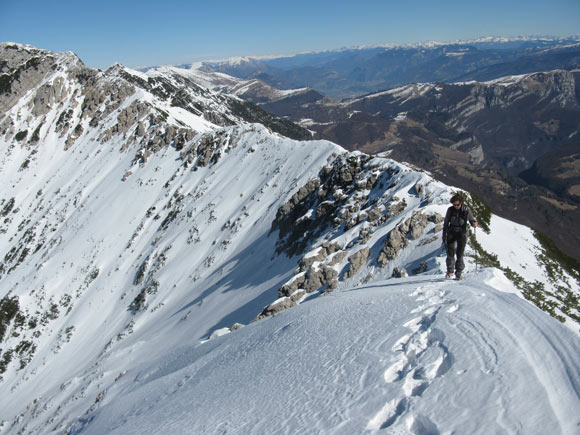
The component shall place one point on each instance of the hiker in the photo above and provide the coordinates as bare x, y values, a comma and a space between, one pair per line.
455, 234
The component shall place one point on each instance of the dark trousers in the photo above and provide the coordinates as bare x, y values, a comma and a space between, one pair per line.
455, 244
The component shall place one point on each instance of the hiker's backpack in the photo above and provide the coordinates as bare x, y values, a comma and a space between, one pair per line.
458, 220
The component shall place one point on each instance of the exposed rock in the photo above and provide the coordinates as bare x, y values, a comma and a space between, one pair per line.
300, 195
400, 273
398, 238
311, 280
396, 241
324, 208
236, 326
205, 151
356, 261
24, 68
375, 213
417, 225
337, 258
422, 268
428, 240
281, 304
338, 196
364, 235
330, 247
296, 282
419, 189
47, 95
318, 254
312, 257
76, 133
316, 278
396, 208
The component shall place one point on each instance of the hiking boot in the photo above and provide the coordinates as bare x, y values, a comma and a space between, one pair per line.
458, 275
448, 274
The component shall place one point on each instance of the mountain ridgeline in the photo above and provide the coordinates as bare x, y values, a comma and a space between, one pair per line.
143, 213
351, 72
476, 114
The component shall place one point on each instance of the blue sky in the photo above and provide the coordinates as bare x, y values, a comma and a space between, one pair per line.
145, 33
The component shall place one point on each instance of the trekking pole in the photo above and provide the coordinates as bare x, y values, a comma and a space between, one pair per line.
475, 239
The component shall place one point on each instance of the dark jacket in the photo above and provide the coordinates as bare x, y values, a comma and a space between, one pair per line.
456, 220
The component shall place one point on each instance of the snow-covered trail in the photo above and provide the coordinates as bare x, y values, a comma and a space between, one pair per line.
419, 355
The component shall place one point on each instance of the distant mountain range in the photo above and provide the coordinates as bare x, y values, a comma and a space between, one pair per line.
353, 72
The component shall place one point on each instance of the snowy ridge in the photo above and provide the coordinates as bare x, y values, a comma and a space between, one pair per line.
417, 90
127, 242
419, 356
404, 93
254, 90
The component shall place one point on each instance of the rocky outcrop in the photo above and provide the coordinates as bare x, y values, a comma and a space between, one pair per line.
24, 67
318, 255
356, 261
400, 236
352, 198
282, 304
206, 150
338, 196
396, 208
85, 99
311, 280
399, 272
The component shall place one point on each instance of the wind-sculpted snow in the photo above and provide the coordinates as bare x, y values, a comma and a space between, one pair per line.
128, 249
420, 356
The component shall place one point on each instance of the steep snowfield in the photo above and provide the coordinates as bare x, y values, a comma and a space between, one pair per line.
137, 238
203, 267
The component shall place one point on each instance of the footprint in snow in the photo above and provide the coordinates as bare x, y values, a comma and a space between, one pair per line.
421, 356
453, 308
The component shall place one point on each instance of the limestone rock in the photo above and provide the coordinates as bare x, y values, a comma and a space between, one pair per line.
293, 284
400, 273
281, 304
337, 258
396, 208
236, 326
356, 261
375, 213
398, 238
422, 268
417, 225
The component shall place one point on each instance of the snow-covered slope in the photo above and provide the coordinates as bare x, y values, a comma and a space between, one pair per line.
134, 228
251, 90
417, 356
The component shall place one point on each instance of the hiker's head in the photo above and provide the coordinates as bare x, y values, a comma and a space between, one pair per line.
457, 201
